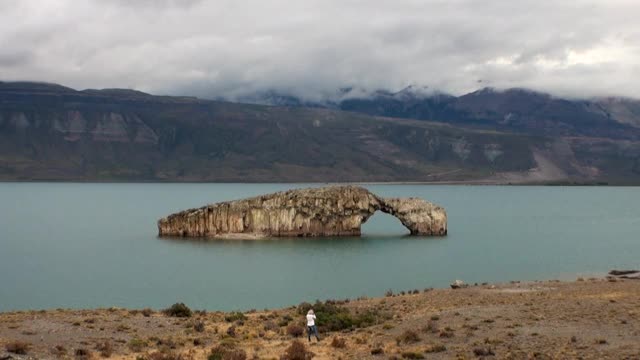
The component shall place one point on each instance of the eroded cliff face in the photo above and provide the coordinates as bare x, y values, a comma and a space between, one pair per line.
327, 211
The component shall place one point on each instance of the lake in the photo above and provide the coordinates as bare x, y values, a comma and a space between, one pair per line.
70, 245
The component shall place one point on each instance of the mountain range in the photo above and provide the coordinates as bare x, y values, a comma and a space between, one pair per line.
511, 109
52, 132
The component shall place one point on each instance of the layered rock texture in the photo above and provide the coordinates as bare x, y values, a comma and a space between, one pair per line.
325, 211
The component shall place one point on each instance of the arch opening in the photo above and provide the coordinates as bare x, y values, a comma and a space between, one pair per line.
383, 224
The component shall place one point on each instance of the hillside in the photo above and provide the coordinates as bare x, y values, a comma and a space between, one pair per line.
517, 110
51, 132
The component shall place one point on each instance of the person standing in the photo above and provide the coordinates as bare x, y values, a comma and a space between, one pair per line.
311, 325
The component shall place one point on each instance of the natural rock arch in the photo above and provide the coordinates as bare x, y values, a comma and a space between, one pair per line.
325, 211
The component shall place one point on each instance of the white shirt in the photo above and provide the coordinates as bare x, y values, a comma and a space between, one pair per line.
311, 320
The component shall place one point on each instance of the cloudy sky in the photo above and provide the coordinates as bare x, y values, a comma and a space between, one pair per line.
229, 47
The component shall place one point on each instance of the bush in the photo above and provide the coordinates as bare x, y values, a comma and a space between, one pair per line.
296, 351
446, 333
59, 351
235, 316
269, 325
408, 337
231, 331
17, 347
338, 343
377, 351
105, 349
483, 351
137, 345
146, 312
82, 354
226, 351
295, 330
412, 355
431, 327
436, 348
178, 310
161, 355
235, 355
332, 317
285, 320
199, 326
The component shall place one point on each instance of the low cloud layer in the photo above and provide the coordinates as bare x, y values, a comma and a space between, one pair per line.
233, 47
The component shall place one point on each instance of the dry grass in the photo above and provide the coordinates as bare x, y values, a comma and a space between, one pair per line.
474, 322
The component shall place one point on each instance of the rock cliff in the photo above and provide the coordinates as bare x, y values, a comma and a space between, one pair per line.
326, 211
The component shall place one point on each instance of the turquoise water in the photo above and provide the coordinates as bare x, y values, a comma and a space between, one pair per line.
95, 245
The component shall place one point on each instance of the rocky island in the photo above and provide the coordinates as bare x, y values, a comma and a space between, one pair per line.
323, 211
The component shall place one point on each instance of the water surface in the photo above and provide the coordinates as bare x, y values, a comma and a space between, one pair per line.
95, 245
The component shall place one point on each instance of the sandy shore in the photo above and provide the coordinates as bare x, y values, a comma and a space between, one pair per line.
587, 319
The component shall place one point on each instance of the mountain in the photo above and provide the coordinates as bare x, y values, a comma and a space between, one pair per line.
519, 110
51, 132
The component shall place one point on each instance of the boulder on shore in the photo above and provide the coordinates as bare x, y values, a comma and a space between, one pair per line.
323, 211
458, 284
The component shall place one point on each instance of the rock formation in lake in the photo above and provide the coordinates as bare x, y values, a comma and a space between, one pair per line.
325, 211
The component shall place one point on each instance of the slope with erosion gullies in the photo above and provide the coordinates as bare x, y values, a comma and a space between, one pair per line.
517, 110
56, 133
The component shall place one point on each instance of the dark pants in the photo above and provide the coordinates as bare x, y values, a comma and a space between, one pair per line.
312, 330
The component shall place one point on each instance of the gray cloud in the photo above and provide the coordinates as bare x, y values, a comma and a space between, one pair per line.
231, 47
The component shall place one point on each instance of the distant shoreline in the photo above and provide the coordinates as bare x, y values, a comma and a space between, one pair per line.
457, 183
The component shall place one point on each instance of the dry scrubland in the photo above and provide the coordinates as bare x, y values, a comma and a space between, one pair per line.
588, 319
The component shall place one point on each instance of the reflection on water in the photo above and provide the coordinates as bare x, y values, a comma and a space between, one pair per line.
96, 245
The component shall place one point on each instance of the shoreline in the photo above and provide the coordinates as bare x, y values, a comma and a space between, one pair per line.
477, 182
592, 318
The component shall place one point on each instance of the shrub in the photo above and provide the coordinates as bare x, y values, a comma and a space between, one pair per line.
412, 355
408, 337
231, 331
137, 345
198, 326
446, 333
295, 330
285, 320
146, 312
226, 351
82, 354
178, 310
161, 355
377, 351
235, 316
481, 351
17, 347
296, 351
332, 317
105, 349
435, 348
59, 351
237, 354
270, 326
338, 343
431, 327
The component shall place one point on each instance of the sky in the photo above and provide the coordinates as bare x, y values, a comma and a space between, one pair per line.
311, 48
